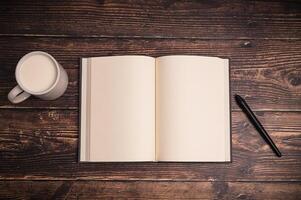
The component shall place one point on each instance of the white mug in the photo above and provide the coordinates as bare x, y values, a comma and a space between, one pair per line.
38, 74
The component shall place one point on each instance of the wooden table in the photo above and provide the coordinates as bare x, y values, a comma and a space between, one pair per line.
39, 139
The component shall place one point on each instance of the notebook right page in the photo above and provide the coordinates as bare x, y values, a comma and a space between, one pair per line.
192, 109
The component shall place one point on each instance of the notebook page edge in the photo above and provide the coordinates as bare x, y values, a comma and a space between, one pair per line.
83, 110
227, 113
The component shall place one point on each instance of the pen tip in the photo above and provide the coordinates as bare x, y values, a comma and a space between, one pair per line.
237, 97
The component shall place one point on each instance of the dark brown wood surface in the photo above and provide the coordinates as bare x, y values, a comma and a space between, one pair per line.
39, 139
148, 190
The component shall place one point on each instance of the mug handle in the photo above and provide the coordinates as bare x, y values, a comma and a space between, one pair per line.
17, 95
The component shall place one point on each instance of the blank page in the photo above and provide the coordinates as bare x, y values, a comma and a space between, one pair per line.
192, 109
118, 109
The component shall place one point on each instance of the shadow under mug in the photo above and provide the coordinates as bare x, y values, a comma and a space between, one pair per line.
20, 92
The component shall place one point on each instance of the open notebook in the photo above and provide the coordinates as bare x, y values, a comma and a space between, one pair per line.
140, 108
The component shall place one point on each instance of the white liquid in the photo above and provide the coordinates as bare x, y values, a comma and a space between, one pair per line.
38, 73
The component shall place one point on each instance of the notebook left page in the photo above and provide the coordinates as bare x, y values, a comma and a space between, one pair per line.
118, 109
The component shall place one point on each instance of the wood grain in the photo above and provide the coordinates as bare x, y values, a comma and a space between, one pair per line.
148, 190
268, 76
43, 144
177, 19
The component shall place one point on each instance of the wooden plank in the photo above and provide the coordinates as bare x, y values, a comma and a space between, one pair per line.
148, 190
266, 72
181, 19
29, 189
43, 145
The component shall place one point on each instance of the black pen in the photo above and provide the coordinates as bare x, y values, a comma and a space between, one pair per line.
247, 110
